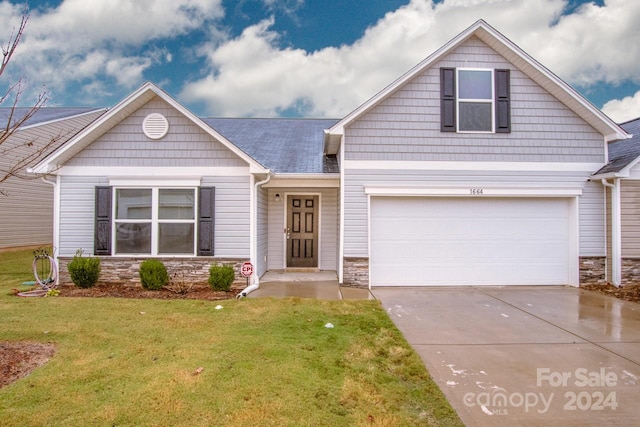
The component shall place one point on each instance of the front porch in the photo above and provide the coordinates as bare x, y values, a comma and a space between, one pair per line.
321, 284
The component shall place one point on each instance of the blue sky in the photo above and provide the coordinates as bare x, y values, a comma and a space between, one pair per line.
313, 58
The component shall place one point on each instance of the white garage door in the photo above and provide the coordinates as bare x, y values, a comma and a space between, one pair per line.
469, 241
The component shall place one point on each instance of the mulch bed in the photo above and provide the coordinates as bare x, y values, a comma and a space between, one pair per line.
199, 292
629, 292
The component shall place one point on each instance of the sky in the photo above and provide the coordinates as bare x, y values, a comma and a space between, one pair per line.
302, 58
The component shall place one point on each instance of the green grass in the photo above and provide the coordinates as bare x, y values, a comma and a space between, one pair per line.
265, 362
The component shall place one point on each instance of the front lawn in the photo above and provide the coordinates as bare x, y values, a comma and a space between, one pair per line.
183, 362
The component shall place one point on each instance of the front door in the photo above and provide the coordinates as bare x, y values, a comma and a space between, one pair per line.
302, 231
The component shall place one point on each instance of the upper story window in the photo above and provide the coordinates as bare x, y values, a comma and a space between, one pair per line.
475, 100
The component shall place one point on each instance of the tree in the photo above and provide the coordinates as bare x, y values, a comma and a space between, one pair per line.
16, 154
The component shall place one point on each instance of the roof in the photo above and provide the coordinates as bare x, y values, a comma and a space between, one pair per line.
516, 56
626, 153
281, 145
43, 115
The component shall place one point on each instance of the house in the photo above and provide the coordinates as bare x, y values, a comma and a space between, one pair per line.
473, 168
621, 178
26, 203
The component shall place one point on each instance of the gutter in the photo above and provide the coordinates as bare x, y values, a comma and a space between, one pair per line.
254, 231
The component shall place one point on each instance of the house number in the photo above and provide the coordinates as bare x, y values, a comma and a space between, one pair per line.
476, 191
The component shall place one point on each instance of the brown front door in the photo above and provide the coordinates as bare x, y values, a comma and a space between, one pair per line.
302, 231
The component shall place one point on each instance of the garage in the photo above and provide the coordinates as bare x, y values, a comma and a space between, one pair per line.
435, 241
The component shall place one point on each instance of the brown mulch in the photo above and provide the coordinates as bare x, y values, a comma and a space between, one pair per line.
630, 292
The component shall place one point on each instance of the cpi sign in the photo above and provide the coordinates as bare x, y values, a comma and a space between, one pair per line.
247, 269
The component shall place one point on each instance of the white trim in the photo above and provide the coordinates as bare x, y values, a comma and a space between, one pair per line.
490, 101
470, 166
151, 182
616, 231
369, 239
341, 219
284, 235
150, 171
473, 191
574, 242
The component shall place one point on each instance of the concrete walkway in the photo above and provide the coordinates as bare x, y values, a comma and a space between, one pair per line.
319, 285
526, 356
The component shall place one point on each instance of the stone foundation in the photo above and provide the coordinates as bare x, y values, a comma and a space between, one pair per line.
630, 271
592, 270
125, 271
356, 272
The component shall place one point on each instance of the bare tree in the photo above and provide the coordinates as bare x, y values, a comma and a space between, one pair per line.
18, 154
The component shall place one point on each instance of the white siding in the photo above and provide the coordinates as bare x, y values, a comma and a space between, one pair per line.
592, 222
328, 226
263, 232
406, 125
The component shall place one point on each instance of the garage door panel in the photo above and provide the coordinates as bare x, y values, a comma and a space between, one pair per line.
440, 241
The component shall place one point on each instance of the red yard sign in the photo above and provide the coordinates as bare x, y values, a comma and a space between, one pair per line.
247, 269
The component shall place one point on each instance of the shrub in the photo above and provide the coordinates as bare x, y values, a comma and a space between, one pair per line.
84, 272
153, 274
221, 277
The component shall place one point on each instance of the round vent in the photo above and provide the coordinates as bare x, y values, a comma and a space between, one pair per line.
155, 126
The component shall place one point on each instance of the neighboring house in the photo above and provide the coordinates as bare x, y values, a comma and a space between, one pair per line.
474, 168
621, 176
26, 205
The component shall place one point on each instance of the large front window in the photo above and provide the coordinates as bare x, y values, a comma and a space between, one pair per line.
155, 221
475, 100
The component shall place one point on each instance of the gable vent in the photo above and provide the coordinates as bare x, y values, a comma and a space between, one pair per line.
155, 126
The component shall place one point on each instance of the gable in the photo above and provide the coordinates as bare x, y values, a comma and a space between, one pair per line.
406, 124
185, 144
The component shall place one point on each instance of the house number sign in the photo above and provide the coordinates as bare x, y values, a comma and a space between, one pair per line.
476, 191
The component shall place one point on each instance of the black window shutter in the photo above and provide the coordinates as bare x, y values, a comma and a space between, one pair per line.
102, 238
448, 99
503, 101
206, 219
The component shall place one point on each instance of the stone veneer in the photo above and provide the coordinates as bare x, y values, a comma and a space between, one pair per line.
125, 270
355, 272
630, 270
592, 270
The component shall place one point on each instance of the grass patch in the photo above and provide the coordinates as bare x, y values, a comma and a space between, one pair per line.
181, 362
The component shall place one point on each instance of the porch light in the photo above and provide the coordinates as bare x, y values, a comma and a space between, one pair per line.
277, 198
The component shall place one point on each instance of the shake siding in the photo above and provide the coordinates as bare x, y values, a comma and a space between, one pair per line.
26, 209
406, 125
328, 227
630, 218
232, 215
356, 206
185, 144
263, 234
77, 206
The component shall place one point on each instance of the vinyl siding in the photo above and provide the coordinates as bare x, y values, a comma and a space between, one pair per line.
356, 203
26, 208
231, 216
406, 125
185, 144
328, 227
630, 218
609, 233
263, 232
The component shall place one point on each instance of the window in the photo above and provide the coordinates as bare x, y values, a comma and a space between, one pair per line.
155, 221
475, 100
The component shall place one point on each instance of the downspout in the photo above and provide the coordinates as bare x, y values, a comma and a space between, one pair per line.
254, 231
56, 216
616, 244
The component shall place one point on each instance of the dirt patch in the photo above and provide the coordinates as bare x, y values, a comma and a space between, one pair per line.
19, 359
627, 292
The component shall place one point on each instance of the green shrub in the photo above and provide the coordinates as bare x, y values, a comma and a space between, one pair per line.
153, 274
84, 272
221, 277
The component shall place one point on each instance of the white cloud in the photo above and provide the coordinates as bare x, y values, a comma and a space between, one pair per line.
89, 40
253, 75
623, 110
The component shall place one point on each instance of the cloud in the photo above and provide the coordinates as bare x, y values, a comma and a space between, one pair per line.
252, 75
82, 41
623, 110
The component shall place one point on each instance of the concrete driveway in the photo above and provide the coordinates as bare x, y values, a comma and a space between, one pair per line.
508, 356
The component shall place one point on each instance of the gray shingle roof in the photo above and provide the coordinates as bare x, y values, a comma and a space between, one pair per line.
282, 145
622, 153
43, 115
